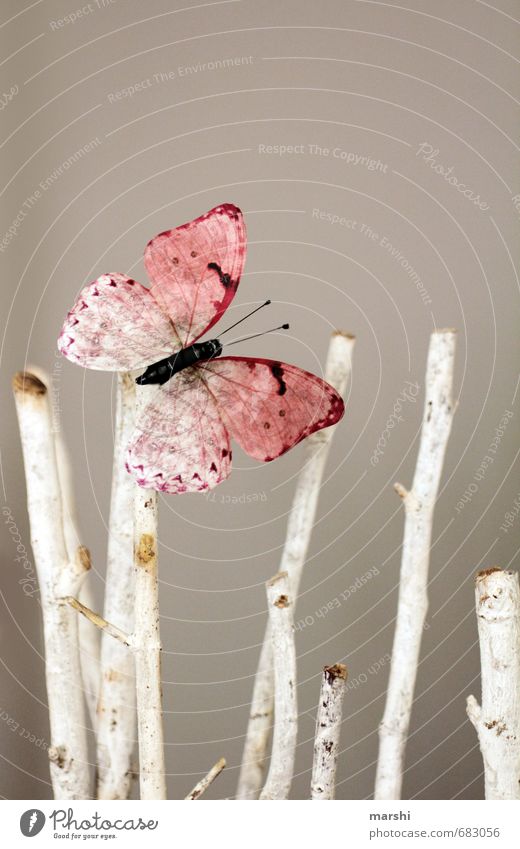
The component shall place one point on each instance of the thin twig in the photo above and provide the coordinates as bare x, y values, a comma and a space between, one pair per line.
98, 621
57, 576
419, 505
208, 779
299, 529
328, 728
279, 778
497, 722
117, 725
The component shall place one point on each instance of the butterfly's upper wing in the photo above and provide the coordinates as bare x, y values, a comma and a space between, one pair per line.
116, 325
195, 269
268, 406
181, 443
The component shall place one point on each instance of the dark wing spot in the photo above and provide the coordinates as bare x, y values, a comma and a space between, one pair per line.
225, 452
213, 468
278, 372
196, 476
175, 260
281, 413
225, 279
194, 253
267, 425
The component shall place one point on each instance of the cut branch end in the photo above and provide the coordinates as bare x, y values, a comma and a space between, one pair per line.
282, 601
28, 384
484, 573
146, 549
401, 490
345, 334
473, 711
83, 558
338, 670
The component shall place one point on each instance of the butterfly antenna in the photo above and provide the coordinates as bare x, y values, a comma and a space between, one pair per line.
244, 318
254, 336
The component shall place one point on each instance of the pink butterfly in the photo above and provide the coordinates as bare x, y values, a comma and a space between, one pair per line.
182, 438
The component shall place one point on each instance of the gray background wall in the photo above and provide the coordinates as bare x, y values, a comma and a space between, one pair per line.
375, 79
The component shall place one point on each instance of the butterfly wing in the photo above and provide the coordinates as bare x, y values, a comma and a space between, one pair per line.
181, 443
268, 406
195, 269
116, 325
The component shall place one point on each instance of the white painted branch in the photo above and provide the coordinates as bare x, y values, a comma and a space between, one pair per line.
497, 722
117, 725
305, 501
279, 778
57, 576
259, 726
328, 728
89, 644
299, 529
208, 779
88, 637
147, 643
419, 506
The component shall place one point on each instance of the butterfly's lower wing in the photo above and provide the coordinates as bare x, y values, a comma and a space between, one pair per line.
116, 325
195, 269
269, 406
181, 443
